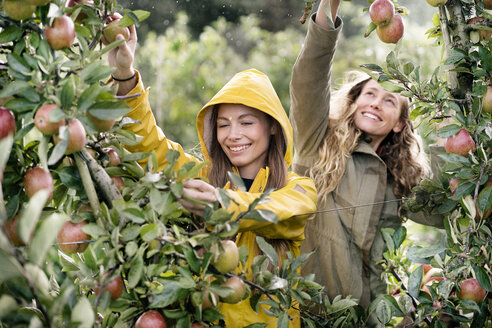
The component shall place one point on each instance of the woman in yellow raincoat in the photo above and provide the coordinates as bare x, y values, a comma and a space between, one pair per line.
243, 129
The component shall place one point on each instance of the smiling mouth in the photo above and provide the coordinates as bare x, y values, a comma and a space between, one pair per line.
371, 116
239, 148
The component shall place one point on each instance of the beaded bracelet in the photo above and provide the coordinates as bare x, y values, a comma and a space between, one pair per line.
124, 80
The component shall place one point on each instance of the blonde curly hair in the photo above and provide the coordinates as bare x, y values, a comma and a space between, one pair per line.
402, 152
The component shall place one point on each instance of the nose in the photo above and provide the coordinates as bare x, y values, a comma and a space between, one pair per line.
376, 103
234, 132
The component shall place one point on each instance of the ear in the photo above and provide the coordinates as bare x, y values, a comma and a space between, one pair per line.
273, 129
398, 127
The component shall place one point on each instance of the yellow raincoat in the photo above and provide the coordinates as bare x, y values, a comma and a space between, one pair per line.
250, 88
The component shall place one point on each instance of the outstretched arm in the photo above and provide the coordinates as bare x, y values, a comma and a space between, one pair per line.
122, 58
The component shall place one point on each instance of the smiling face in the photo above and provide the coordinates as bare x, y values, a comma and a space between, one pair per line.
378, 112
244, 135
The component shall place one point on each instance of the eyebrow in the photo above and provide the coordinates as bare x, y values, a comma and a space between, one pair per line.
240, 116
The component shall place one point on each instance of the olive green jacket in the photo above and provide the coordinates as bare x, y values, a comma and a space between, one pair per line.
346, 237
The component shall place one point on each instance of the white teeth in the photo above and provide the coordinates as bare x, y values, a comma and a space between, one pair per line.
238, 148
369, 115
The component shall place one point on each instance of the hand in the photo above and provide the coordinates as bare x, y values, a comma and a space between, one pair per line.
122, 56
322, 16
198, 190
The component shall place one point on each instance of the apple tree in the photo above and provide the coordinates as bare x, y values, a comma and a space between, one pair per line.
446, 284
92, 235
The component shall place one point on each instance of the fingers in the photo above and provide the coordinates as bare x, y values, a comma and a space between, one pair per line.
206, 196
199, 184
194, 208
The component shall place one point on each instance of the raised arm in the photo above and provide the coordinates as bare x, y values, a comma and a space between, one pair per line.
310, 86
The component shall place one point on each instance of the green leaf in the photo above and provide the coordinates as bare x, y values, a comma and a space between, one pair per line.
133, 17
18, 63
45, 236
485, 59
93, 230
10, 33
391, 87
167, 297
9, 267
21, 105
95, 72
455, 57
415, 281
383, 312
448, 130
109, 110
283, 320
236, 180
68, 264
89, 96
6, 147
83, 313
482, 277
386, 232
340, 305
262, 216
67, 93
13, 88
399, 236
267, 249
69, 176
484, 201
136, 272
151, 231
30, 215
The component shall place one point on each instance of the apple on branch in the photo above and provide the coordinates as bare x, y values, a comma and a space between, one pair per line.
461, 143
391, 32
61, 33
11, 228
381, 12
487, 100
76, 137
37, 179
226, 259
111, 30
239, 290
114, 287
470, 289
150, 319
18, 9
7, 123
42, 120
70, 236
435, 3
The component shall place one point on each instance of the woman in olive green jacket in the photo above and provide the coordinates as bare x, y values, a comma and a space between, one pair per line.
364, 153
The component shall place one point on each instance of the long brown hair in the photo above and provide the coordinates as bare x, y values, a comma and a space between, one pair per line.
220, 164
398, 150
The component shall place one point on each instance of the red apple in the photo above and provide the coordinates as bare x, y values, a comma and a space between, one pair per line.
42, 120
72, 233
61, 33
470, 289
11, 227
18, 9
114, 287
391, 32
435, 3
76, 137
36, 179
150, 319
239, 287
381, 11
487, 4
111, 30
101, 125
461, 143
113, 157
487, 100
7, 122
226, 259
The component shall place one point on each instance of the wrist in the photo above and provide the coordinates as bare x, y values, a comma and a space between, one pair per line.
124, 74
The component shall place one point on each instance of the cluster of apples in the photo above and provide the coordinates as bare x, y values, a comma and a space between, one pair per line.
390, 26
61, 33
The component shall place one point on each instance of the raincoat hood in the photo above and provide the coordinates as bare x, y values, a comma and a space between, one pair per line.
251, 88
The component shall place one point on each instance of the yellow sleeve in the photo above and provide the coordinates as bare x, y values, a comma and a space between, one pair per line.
153, 137
292, 205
